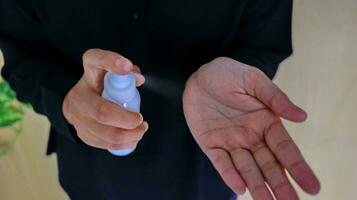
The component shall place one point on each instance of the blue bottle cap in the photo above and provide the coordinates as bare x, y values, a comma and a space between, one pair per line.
121, 81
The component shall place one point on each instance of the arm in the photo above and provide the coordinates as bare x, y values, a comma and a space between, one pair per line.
234, 110
38, 74
264, 35
68, 93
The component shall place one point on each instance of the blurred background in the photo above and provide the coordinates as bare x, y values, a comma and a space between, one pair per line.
321, 77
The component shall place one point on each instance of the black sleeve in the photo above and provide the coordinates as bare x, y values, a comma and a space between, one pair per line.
38, 74
263, 38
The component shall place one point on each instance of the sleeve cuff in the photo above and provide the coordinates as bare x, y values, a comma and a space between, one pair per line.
266, 61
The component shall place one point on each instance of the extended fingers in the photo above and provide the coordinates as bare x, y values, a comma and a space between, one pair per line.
103, 111
291, 158
223, 163
244, 166
111, 114
273, 173
113, 128
252, 159
259, 85
117, 135
248, 169
98, 142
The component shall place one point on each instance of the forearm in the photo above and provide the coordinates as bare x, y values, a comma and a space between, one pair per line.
41, 79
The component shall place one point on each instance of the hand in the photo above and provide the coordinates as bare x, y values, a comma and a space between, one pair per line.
98, 122
233, 111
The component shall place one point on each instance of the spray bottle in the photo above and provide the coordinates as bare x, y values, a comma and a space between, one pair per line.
121, 90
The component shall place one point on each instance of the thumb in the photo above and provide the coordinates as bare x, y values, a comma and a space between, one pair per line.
270, 94
106, 61
97, 62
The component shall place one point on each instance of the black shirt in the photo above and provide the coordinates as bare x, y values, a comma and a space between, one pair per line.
43, 42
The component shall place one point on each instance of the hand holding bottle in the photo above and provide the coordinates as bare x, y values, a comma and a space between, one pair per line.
99, 122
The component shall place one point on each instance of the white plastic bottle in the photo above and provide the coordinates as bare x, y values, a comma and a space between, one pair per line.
121, 90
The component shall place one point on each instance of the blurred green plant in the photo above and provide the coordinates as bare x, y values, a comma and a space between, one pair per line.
11, 115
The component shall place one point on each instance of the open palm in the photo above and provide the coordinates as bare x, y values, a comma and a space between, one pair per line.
233, 111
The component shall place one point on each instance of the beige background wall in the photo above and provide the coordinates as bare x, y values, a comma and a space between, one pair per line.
321, 77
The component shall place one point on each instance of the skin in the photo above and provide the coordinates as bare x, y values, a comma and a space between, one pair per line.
233, 111
98, 122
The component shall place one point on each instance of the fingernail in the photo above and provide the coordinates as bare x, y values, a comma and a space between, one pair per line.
123, 63
141, 77
303, 115
141, 117
146, 125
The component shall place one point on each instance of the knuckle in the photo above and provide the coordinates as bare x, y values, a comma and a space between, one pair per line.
121, 146
271, 165
72, 95
83, 136
114, 146
250, 75
218, 158
125, 60
140, 136
137, 133
271, 128
258, 147
103, 112
86, 54
295, 165
142, 129
136, 120
119, 138
246, 169
71, 117
277, 95
134, 123
255, 73
231, 144
107, 56
137, 69
108, 134
250, 138
284, 145
226, 172
80, 134
239, 152
130, 125
281, 185
258, 187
